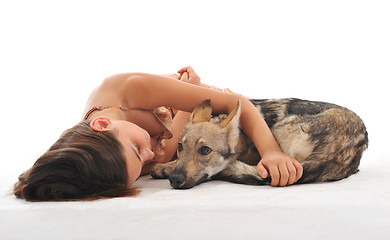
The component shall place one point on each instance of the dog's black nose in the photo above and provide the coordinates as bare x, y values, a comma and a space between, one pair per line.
177, 179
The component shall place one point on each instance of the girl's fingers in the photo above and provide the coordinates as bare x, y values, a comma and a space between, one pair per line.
189, 70
293, 173
275, 175
284, 175
299, 170
184, 77
184, 69
261, 170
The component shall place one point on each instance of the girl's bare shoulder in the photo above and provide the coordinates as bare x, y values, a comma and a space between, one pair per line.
110, 92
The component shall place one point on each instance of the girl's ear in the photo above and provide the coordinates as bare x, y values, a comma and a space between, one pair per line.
100, 124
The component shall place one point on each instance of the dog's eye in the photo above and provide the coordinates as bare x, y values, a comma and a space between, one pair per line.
205, 150
179, 147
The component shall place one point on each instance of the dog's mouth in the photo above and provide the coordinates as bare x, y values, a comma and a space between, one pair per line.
187, 183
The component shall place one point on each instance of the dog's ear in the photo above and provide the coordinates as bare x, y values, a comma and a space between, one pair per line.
232, 122
233, 118
202, 112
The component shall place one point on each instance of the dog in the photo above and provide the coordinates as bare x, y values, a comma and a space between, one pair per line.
327, 139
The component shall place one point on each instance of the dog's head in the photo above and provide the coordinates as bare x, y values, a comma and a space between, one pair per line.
205, 148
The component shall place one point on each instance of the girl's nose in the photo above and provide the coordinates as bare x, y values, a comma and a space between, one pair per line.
148, 155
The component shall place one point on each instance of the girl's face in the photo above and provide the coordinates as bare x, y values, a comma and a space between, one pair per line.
137, 146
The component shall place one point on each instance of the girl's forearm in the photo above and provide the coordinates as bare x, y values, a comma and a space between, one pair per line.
254, 126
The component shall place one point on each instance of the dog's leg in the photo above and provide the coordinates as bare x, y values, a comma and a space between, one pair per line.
332, 169
239, 172
162, 171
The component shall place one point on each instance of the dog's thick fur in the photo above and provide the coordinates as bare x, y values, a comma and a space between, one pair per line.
328, 140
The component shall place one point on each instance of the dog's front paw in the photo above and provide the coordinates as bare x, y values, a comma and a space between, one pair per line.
162, 171
158, 172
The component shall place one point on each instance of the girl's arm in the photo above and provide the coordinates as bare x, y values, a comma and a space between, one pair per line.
149, 91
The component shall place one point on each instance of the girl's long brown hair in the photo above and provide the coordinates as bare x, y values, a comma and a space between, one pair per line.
81, 165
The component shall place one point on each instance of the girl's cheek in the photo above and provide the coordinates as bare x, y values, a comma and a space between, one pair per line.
136, 173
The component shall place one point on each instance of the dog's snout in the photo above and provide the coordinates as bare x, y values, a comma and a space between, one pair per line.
177, 179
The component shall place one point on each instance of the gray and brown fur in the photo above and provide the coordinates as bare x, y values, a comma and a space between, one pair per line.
328, 140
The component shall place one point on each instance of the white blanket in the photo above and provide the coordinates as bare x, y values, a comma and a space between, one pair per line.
354, 208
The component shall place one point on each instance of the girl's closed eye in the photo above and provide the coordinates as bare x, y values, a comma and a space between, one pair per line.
138, 149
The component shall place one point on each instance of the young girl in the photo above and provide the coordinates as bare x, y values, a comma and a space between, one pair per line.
132, 122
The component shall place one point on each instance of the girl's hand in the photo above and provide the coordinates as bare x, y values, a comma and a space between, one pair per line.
284, 170
188, 75
172, 75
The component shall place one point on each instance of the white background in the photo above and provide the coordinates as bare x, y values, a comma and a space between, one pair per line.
53, 53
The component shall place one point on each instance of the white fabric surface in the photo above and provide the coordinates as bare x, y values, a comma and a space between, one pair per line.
355, 208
